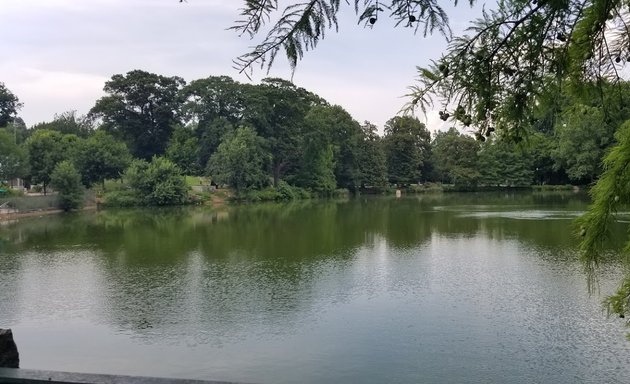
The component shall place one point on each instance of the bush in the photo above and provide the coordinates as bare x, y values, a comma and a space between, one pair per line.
158, 182
122, 198
67, 181
284, 192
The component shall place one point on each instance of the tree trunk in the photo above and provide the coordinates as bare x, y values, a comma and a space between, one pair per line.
277, 170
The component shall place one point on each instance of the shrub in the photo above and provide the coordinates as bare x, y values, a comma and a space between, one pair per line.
157, 183
67, 181
122, 198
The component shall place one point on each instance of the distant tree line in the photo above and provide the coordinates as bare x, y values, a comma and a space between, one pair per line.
152, 129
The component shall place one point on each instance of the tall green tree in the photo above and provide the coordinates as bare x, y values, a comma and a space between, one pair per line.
456, 158
276, 110
371, 159
503, 163
142, 109
45, 150
241, 160
206, 100
407, 145
582, 138
101, 157
183, 150
13, 157
332, 126
9, 105
210, 137
543, 151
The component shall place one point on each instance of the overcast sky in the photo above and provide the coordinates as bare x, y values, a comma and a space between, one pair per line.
56, 55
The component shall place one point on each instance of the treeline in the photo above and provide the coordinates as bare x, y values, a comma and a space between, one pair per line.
287, 141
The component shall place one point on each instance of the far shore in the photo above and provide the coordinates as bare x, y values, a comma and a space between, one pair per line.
40, 212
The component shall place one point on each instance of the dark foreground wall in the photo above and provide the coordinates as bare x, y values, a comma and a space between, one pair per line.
27, 376
9, 357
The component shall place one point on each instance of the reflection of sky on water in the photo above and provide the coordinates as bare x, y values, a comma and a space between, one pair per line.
525, 215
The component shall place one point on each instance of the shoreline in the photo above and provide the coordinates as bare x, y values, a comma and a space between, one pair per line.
4, 217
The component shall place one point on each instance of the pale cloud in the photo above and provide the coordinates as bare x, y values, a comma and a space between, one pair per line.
45, 93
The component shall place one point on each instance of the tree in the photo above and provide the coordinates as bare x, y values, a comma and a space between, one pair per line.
45, 150
371, 158
317, 165
67, 181
456, 159
183, 150
407, 143
206, 100
141, 108
331, 128
68, 123
17, 128
240, 161
582, 140
502, 163
157, 183
13, 158
210, 137
101, 157
276, 110
542, 148
9, 105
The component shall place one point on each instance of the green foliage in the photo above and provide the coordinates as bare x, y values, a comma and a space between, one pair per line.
45, 150
101, 157
456, 158
9, 105
585, 127
13, 158
141, 108
240, 161
283, 192
67, 181
212, 98
276, 110
123, 198
407, 145
157, 183
183, 150
502, 163
494, 76
619, 303
582, 139
609, 193
18, 129
371, 159
210, 137
317, 169
331, 150
67, 123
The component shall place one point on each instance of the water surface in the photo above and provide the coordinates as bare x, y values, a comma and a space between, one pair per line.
471, 288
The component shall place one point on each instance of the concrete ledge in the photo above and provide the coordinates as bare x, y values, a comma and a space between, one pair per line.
28, 376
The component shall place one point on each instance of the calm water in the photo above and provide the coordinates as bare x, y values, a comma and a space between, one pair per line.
452, 289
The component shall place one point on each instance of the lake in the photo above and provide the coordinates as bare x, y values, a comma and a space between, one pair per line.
453, 288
